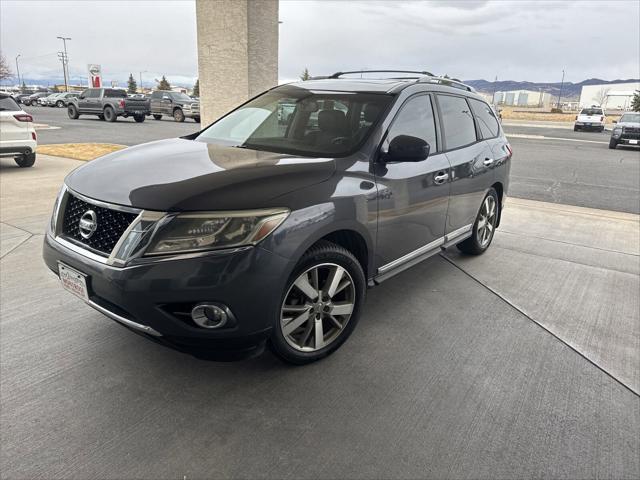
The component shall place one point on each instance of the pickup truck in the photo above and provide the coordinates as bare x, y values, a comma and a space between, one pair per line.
174, 104
108, 104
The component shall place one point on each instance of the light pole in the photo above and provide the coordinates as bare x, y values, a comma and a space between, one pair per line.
560, 94
493, 97
65, 62
18, 71
141, 89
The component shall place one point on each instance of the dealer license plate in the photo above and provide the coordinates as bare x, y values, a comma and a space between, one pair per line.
73, 281
633, 142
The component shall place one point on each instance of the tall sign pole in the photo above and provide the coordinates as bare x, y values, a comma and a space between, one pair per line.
65, 62
560, 94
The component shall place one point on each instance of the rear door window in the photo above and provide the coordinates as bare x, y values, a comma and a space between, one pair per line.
486, 119
457, 121
112, 93
7, 104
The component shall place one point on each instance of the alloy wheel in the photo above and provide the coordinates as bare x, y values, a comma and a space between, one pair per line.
487, 220
317, 307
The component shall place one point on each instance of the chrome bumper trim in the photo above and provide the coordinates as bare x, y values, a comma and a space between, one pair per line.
124, 321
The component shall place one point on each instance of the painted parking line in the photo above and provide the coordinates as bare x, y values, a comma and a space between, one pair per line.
542, 137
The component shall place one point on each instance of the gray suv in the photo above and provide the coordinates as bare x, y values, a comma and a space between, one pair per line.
256, 230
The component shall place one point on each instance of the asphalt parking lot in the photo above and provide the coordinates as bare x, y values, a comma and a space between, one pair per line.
524, 362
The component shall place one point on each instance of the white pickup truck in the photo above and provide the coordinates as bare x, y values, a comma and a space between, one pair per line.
590, 118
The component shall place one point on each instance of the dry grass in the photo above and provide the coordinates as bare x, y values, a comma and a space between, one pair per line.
512, 114
79, 151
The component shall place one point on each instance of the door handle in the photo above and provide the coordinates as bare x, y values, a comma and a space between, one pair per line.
488, 161
440, 177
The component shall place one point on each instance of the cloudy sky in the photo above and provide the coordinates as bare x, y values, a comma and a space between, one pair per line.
515, 40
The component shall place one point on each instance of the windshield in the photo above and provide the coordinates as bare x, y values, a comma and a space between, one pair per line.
295, 120
181, 96
591, 111
630, 118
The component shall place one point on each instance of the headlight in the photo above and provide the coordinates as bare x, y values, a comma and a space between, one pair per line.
195, 232
56, 209
617, 130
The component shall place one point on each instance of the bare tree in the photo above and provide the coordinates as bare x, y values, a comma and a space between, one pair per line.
602, 95
5, 71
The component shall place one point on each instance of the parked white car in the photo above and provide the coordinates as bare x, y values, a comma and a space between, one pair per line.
590, 118
18, 137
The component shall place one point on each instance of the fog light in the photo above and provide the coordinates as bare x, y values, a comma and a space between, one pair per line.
209, 315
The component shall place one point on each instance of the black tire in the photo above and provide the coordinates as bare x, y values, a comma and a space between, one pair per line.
110, 114
575, 128
601, 129
26, 160
72, 111
138, 118
59, 104
157, 117
613, 143
196, 119
477, 244
101, 117
321, 253
178, 115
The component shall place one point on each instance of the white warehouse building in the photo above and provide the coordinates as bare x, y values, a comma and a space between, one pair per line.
523, 98
613, 96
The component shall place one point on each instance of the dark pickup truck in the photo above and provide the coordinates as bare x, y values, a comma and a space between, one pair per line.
108, 104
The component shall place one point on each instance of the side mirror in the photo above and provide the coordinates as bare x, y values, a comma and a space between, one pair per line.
405, 148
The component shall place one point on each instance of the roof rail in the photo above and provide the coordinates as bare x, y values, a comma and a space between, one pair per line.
339, 74
452, 82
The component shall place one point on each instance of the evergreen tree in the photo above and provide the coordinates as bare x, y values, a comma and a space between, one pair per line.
164, 84
132, 86
196, 88
635, 103
305, 74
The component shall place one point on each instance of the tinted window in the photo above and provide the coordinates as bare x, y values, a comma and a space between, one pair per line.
91, 93
180, 97
485, 118
156, 95
415, 119
591, 111
457, 121
7, 104
112, 93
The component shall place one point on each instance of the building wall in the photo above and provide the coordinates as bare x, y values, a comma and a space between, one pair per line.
237, 52
618, 98
524, 98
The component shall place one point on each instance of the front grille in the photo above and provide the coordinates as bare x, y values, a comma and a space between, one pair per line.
111, 224
631, 132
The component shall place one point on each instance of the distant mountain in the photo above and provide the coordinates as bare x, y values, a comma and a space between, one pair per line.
569, 90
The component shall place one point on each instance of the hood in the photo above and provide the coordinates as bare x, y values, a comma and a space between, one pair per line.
187, 175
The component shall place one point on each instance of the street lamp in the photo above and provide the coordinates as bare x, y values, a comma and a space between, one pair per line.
560, 94
18, 70
65, 62
141, 89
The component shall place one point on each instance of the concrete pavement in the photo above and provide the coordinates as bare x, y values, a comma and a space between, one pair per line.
520, 363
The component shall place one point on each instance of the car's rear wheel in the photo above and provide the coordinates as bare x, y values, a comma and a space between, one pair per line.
178, 115
613, 143
72, 111
138, 118
110, 114
26, 160
484, 226
321, 304
157, 117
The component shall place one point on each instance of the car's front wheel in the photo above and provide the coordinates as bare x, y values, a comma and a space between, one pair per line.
72, 111
484, 226
321, 304
59, 104
178, 115
26, 160
613, 143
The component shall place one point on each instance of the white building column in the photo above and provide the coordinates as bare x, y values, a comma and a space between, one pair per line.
237, 52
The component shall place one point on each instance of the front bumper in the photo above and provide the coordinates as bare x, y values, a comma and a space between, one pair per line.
145, 296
